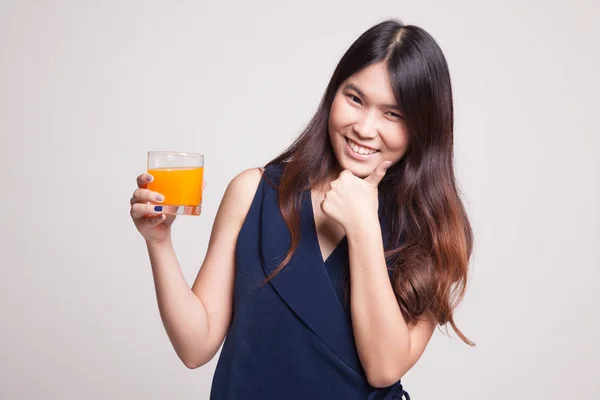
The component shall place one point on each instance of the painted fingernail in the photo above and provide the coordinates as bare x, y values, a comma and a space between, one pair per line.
160, 198
149, 178
158, 208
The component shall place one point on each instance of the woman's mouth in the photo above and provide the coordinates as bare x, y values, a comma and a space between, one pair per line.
359, 152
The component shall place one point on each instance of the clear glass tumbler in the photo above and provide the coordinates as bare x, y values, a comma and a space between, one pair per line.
178, 177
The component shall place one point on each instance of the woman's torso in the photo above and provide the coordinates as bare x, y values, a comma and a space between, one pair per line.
292, 337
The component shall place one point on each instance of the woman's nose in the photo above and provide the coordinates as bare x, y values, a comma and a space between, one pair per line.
366, 126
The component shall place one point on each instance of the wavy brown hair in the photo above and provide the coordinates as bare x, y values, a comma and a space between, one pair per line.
430, 237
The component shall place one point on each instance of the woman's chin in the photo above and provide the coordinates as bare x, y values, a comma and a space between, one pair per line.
359, 169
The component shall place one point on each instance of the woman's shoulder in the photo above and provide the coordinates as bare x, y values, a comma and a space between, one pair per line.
245, 184
249, 179
239, 196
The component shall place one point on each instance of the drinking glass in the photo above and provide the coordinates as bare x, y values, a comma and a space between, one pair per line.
178, 177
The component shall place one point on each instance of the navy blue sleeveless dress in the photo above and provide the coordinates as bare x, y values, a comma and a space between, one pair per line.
291, 338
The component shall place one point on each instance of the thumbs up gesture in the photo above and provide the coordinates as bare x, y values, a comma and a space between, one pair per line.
352, 201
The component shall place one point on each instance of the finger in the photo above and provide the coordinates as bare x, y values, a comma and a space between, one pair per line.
139, 210
155, 220
378, 174
144, 179
345, 174
151, 220
146, 196
323, 207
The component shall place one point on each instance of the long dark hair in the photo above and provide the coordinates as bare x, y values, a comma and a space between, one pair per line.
430, 237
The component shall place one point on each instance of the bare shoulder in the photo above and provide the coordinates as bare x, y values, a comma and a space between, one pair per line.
244, 185
246, 181
241, 190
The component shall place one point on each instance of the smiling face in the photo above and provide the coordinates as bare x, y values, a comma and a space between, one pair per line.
365, 124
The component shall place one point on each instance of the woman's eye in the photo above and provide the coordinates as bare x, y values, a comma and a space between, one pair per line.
393, 114
354, 98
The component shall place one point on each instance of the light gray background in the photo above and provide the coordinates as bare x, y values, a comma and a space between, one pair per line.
87, 88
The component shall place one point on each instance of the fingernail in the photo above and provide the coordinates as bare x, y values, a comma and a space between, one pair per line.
149, 178
160, 198
158, 208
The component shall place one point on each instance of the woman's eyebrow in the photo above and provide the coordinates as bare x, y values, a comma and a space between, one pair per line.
351, 86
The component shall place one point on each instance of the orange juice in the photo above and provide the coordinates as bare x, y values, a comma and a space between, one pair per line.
181, 186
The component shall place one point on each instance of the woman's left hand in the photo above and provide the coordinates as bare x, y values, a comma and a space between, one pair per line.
351, 200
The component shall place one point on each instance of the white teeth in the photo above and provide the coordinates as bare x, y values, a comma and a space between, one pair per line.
360, 150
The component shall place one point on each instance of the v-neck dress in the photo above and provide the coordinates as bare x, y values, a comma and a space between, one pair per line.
290, 338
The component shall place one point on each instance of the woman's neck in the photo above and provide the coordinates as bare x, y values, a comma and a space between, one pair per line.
323, 186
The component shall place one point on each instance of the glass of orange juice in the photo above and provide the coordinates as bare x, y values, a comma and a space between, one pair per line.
178, 177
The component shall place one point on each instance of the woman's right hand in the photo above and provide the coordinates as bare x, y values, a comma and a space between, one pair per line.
148, 218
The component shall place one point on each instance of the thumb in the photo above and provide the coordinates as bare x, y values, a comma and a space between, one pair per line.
378, 174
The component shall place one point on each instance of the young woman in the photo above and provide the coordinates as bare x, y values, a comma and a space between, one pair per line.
328, 270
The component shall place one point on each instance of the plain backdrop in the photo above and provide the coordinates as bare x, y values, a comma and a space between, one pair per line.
88, 87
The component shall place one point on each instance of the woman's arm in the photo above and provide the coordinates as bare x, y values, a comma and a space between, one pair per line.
387, 346
197, 319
